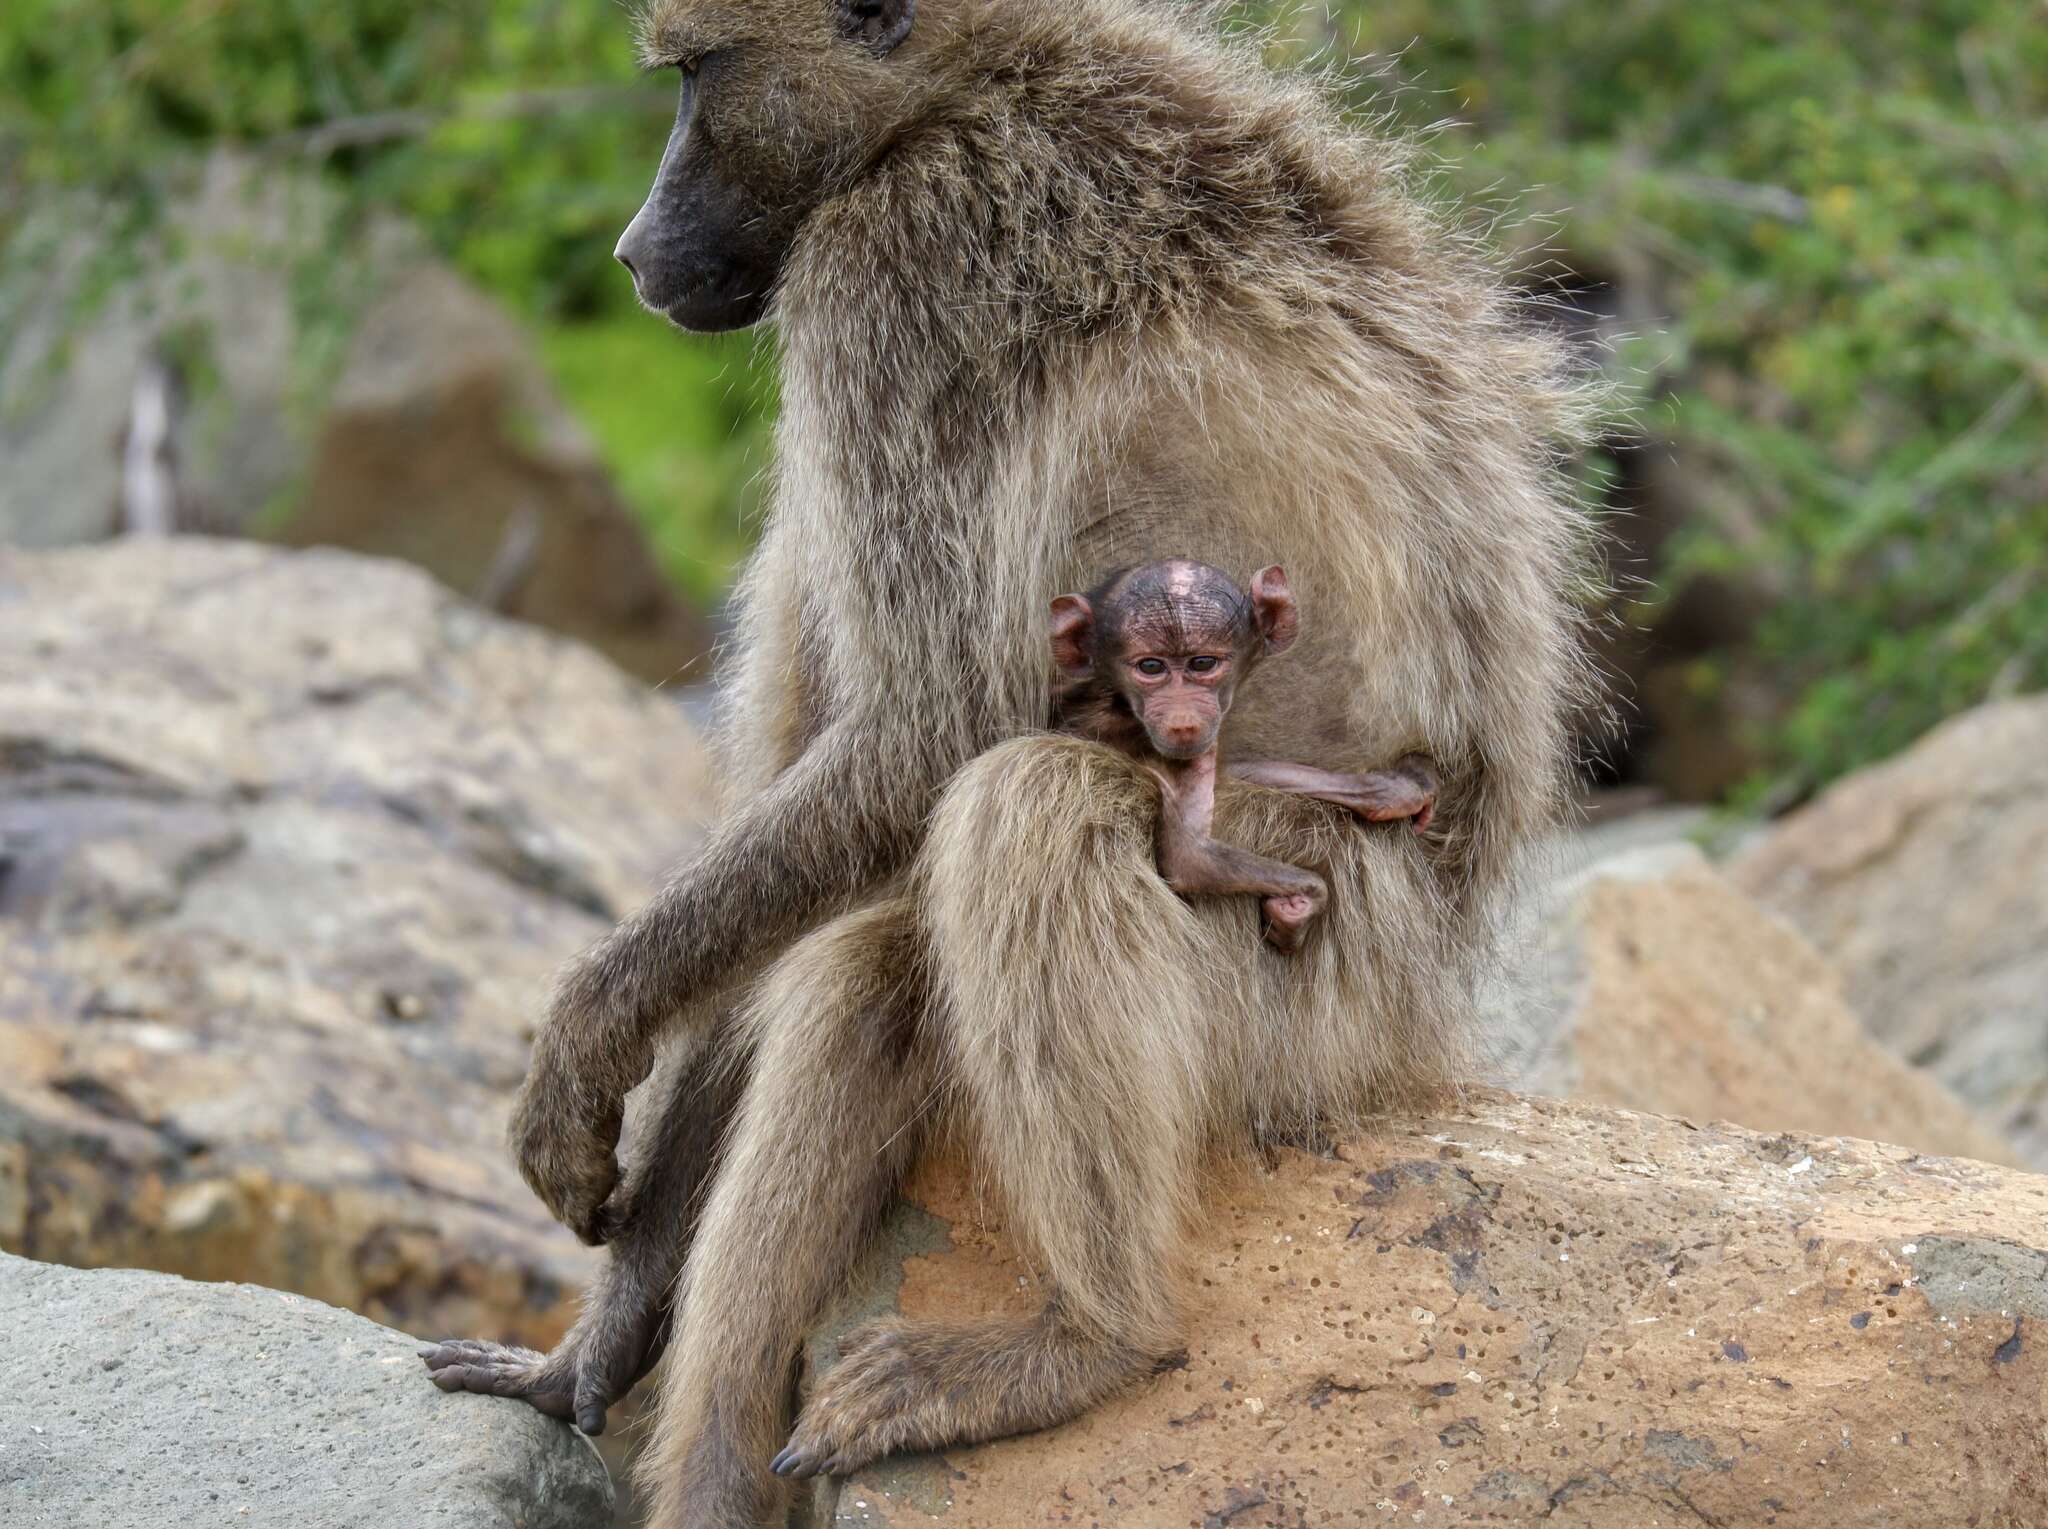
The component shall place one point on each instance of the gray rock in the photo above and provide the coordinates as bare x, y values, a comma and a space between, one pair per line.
1657, 985
290, 845
435, 435
134, 1399
1925, 878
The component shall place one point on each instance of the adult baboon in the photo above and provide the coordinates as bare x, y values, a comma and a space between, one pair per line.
1061, 285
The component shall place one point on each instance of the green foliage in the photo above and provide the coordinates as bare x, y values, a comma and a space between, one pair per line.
519, 134
1831, 219
1825, 220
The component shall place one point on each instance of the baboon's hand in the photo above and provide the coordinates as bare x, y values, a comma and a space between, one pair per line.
565, 1134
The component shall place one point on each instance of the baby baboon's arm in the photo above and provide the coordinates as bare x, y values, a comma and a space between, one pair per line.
1407, 789
1192, 862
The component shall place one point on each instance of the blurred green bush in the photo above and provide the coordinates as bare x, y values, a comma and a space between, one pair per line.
1827, 221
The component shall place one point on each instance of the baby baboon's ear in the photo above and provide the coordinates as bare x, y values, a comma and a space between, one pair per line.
1073, 635
1274, 614
877, 25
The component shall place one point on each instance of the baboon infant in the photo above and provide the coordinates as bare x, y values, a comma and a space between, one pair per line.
1151, 660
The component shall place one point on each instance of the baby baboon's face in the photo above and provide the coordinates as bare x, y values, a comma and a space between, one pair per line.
1173, 639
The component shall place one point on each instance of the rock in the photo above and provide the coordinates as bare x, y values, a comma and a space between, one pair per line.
1528, 1310
137, 1400
1925, 879
1666, 989
435, 436
290, 844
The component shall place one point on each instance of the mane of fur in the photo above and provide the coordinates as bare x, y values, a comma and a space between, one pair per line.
1153, 211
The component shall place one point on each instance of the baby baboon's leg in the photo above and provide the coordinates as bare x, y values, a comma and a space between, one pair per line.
1071, 1014
1292, 897
1406, 789
828, 1122
625, 1317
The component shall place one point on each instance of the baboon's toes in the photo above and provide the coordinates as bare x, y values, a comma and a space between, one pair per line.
1286, 917
860, 1411
497, 1369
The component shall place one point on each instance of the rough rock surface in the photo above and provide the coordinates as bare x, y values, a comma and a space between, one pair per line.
1926, 880
435, 434
135, 1401
1664, 988
1524, 1310
290, 844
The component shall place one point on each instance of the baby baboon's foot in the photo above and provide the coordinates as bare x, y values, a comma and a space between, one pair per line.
880, 1398
1288, 918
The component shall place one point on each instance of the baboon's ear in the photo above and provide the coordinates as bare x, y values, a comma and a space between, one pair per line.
877, 25
1073, 627
1273, 610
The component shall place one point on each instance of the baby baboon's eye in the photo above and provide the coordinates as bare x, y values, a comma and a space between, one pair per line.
1202, 664
1152, 666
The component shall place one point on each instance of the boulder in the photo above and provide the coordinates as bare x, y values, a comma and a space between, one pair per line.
1925, 879
152, 1401
290, 844
1527, 1310
404, 413
1664, 988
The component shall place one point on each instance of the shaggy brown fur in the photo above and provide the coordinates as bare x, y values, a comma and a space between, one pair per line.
1073, 286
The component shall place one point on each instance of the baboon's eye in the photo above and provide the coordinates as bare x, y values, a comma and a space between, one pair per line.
1152, 666
1201, 664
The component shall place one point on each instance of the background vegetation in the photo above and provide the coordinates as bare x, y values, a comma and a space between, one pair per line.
1823, 223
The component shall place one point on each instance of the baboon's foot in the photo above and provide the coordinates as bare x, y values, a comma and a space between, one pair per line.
593, 1367
914, 1386
544, 1381
1288, 918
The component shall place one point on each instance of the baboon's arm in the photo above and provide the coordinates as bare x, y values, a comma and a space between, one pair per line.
842, 817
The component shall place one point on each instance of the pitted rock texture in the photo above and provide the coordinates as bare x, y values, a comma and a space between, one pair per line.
137, 1401
1665, 988
290, 844
1527, 1311
1925, 879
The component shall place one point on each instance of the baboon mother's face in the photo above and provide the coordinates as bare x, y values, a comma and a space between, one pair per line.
782, 103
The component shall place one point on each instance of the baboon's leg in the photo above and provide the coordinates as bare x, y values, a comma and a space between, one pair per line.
829, 1120
625, 1317
1070, 1010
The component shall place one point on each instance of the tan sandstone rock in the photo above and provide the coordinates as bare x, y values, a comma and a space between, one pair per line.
1925, 879
289, 846
1667, 989
1524, 1310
